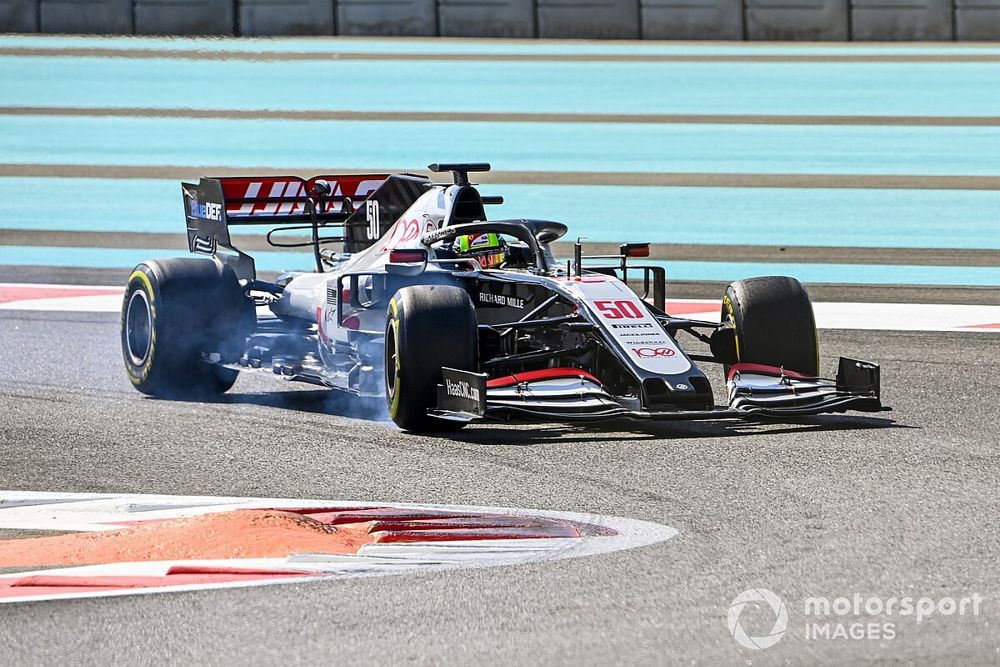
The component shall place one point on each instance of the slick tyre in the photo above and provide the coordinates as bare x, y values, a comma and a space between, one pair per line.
773, 324
174, 312
427, 327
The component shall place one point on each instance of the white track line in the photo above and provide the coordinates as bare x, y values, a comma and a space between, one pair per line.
829, 315
882, 316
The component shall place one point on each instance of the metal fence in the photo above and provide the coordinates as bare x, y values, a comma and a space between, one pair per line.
834, 20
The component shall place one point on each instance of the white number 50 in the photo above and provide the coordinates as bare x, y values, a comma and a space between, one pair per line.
371, 214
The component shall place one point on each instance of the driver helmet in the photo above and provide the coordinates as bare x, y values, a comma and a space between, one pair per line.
489, 249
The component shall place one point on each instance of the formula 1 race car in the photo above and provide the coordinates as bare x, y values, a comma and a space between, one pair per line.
452, 317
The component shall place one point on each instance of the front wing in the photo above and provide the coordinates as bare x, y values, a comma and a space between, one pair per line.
753, 390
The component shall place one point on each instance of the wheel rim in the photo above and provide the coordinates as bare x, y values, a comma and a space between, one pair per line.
138, 327
729, 315
390, 361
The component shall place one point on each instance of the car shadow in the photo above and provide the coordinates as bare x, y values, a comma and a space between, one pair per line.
488, 434
323, 401
319, 401
315, 401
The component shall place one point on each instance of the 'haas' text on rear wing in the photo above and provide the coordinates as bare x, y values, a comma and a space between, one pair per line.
292, 204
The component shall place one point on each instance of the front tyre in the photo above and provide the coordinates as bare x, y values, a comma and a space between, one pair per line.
174, 312
773, 323
427, 328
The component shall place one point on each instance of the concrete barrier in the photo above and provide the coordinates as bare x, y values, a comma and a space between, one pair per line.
977, 19
184, 17
486, 18
595, 19
386, 17
901, 20
821, 20
286, 17
797, 19
99, 17
18, 15
692, 19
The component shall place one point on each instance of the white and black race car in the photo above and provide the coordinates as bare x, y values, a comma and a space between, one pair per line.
452, 317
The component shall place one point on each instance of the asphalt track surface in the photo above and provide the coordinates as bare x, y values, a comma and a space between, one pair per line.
902, 503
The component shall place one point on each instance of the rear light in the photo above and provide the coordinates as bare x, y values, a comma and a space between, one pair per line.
635, 250
408, 256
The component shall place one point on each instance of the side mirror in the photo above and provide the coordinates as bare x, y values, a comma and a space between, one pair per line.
634, 250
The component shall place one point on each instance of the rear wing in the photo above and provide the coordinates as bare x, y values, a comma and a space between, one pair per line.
358, 208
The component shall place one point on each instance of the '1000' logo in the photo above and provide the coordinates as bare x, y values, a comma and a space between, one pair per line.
653, 352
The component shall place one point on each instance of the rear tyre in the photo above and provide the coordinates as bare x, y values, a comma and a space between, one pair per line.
427, 327
174, 312
773, 323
